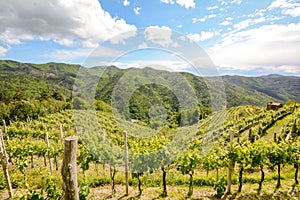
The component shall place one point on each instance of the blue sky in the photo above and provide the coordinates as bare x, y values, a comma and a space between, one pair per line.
245, 37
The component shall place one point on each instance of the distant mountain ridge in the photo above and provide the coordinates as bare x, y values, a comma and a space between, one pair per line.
33, 79
280, 88
276, 76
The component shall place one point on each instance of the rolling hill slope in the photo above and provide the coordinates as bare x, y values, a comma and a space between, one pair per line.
33, 79
278, 87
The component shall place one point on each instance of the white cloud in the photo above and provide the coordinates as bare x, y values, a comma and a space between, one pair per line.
236, 2
64, 42
269, 47
225, 23
126, 3
201, 37
10, 36
186, 3
225, 3
136, 10
143, 45
68, 55
182, 3
290, 7
288, 69
195, 20
3, 51
182, 38
203, 19
167, 1
212, 7
243, 24
294, 12
169, 65
262, 69
281, 4
121, 38
247, 22
71, 23
159, 35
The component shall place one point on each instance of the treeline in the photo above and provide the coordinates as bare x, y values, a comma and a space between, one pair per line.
18, 107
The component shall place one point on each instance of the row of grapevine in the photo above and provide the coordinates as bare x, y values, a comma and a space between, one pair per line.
26, 143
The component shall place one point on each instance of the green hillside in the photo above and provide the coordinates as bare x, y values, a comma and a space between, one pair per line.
25, 81
59, 76
30, 81
278, 87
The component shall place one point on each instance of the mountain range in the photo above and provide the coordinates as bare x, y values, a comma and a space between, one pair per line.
30, 81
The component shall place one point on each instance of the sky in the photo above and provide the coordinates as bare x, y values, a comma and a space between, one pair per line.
243, 37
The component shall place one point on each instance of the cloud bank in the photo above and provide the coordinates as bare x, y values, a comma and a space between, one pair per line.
66, 22
273, 48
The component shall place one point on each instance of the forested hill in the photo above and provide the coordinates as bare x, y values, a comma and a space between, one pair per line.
32, 81
278, 87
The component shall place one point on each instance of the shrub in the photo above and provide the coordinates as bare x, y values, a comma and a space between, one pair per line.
220, 187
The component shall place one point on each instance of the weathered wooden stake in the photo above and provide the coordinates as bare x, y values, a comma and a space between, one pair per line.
69, 169
28, 119
4, 165
230, 166
61, 133
292, 132
45, 160
5, 129
126, 161
23, 127
48, 145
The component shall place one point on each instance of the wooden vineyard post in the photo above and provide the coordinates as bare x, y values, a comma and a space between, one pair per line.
5, 129
4, 165
48, 145
126, 161
61, 134
23, 127
69, 169
230, 166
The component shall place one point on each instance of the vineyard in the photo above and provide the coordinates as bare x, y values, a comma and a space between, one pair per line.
241, 152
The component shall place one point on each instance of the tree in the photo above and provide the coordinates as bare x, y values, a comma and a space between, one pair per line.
58, 96
4, 112
24, 110
290, 102
204, 112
